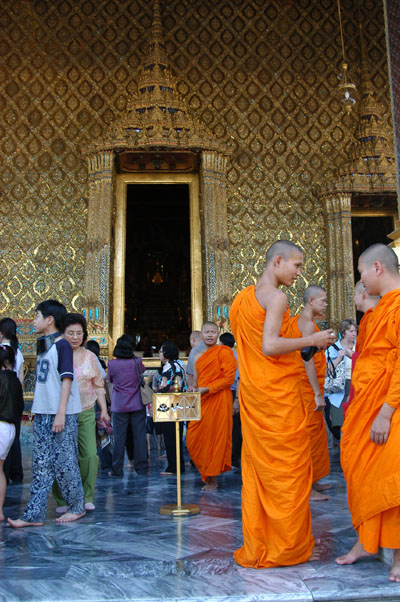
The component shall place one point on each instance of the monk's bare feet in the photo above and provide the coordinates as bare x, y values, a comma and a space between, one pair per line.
211, 484
317, 550
69, 517
356, 552
316, 496
321, 486
394, 574
17, 524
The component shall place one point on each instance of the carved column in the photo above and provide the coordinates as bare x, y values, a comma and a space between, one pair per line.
216, 259
340, 256
97, 277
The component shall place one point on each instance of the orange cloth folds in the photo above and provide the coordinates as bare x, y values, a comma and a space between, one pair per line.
276, 459
373, 471
315, 420
209, 441
362, 333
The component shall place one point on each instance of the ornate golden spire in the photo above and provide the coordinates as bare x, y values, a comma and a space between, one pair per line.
371, 165
157, 115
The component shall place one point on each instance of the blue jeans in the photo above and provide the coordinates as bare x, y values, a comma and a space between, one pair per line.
54, 457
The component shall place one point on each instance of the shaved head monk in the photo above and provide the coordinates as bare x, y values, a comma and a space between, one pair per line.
209, 441
276, 458
371, 431
364, 303
312, 380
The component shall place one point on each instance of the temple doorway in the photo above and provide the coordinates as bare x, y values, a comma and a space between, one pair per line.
157, 284
157, 265
372, 219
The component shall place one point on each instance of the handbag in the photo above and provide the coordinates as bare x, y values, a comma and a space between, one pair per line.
146, 392
335, 377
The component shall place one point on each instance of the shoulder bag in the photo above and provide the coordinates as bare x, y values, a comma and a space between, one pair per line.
146, 392
335, 377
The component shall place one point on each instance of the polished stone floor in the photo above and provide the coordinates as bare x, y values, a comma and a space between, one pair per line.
126, 551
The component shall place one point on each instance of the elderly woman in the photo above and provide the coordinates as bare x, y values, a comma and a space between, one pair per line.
163, 382
341, 351
91, 389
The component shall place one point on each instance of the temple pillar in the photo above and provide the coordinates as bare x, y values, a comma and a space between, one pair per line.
340, 257
97, 276
216, 259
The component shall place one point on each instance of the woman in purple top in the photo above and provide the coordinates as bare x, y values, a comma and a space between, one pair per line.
127, 407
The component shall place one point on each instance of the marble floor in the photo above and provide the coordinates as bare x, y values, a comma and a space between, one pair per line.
126, 551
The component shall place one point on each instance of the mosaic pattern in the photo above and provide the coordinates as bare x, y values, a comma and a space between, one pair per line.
261, 76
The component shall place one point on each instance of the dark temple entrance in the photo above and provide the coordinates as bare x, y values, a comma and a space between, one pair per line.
157, 273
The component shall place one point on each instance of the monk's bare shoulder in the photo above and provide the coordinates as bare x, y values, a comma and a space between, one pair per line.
306, 325
269, 296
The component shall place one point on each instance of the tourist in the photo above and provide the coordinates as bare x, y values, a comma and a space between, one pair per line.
227, 338
125, 373
197, 344
13, 465
91, 389
339, 359
11, 408
56, 406
164, 382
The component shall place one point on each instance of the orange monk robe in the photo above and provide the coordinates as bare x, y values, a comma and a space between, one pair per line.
373, 471
315, 420
361, 336
209, 441
276, 458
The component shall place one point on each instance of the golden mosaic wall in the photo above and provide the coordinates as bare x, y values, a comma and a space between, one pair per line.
261, 75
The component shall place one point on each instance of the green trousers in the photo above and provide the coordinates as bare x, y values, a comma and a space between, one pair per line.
87, 456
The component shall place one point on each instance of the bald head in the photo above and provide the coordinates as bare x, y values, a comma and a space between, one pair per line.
362, 300
284, 248
382, 253
313, 291
195, 338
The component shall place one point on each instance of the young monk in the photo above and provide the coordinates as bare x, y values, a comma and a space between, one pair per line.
276, 458
364, 303
371, 431
312, 380
209, 441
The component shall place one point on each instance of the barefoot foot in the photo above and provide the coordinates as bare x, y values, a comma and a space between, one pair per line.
2, 517
69, 517
211, 484
316, 496
17, 524
356, 552
395, 570
61, 509
322, 486
317, 550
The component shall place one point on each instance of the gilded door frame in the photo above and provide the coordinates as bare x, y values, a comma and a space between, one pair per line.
118, 294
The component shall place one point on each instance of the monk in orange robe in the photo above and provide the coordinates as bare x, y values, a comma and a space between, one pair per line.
209, 441
276, 458
364, 303
371, 431
312, 380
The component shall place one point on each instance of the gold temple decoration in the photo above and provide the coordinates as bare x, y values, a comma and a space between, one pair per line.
177, 407
156, 120
345, 85
370, 169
